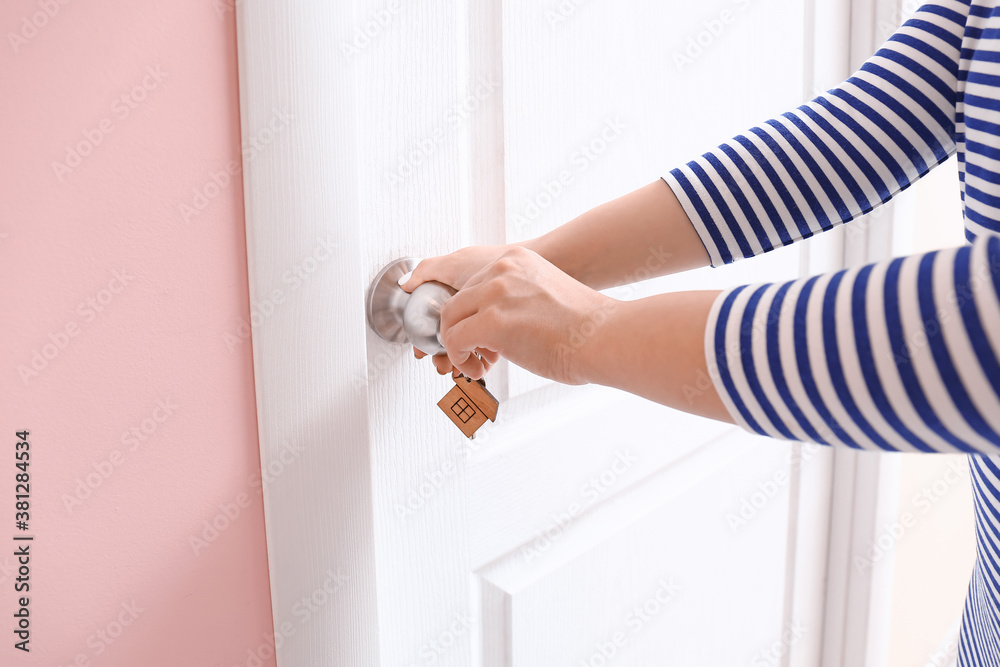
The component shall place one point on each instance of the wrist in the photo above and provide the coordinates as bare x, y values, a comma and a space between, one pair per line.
597, 341
538, 246
571, 262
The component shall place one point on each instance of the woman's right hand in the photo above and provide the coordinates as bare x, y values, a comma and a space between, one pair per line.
455, 269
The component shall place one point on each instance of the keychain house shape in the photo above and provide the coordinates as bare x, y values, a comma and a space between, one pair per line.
469, 404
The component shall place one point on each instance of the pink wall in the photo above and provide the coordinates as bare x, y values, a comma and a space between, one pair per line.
131, 300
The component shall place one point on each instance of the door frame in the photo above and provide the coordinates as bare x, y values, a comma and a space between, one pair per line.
318, 514
865, 485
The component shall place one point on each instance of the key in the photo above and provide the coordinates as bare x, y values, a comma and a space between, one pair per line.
469, 404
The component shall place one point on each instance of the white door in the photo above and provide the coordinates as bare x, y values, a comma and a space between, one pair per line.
587, 526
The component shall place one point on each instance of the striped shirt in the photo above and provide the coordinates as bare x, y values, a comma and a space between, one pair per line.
901, 355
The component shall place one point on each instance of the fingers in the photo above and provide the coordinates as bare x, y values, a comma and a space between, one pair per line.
442, 364
491, 357
460, 313
441, 269
463, 305
471, 334
440, 360
473, 367
465, 329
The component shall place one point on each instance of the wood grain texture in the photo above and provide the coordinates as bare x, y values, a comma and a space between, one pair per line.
433, 132
413, 181
309, 353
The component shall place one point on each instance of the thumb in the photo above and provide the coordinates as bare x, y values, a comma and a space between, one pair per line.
436, 269
412, 280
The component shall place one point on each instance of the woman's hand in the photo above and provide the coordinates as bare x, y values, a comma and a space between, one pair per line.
516, 305
455, 269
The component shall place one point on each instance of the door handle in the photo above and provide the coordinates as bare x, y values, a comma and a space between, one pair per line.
406, 319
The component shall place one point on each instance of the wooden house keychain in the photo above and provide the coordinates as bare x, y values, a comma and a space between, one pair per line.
415, 319
469, 404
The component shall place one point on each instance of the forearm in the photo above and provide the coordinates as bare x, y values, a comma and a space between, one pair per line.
640, 235
655, 348
899, 355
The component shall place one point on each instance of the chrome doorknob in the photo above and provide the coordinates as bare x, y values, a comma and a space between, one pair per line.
406, 319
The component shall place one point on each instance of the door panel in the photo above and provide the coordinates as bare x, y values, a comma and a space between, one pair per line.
565, 459
420, 128
644, 592
603, 97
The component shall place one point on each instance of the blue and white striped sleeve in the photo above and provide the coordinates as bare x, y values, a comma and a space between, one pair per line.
838, 156
901, 355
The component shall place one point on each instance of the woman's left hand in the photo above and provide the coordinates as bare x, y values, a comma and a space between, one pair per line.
526, 310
